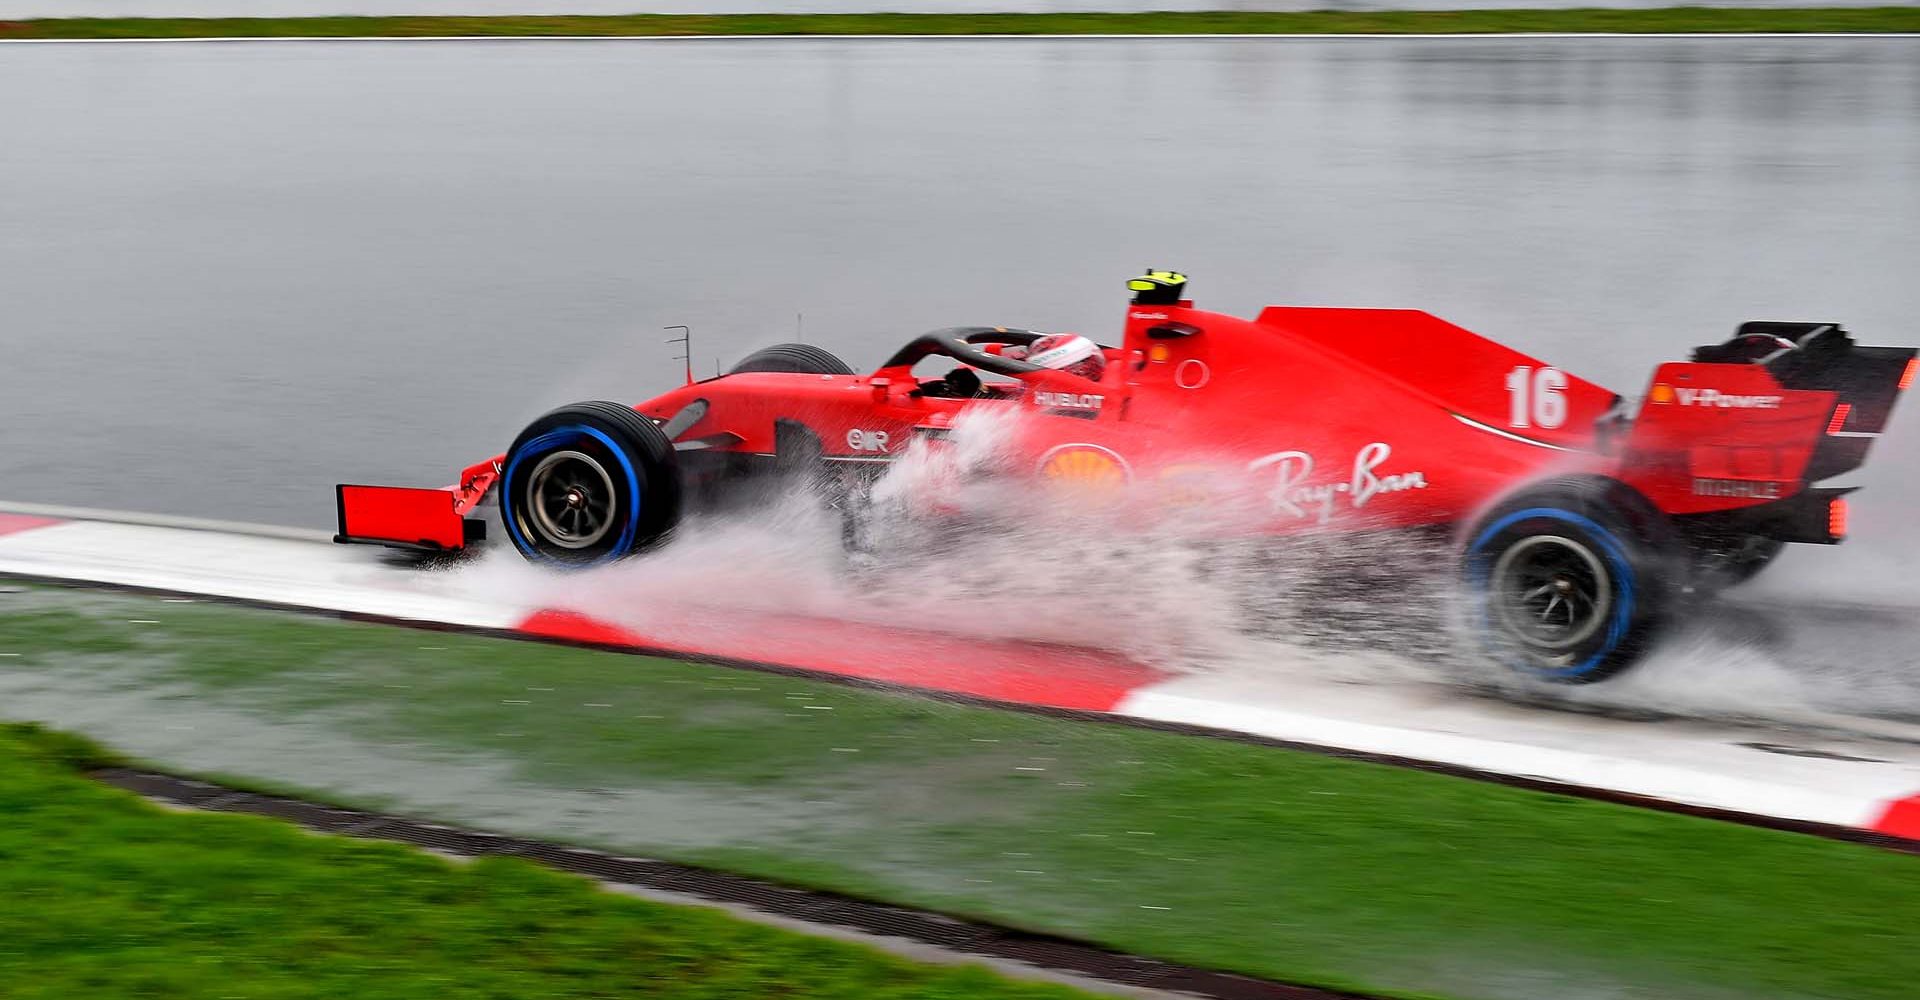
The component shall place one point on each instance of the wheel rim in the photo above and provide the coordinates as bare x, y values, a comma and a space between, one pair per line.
1552, 593
570, 497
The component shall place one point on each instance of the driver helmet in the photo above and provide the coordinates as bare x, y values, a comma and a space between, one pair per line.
1070, 353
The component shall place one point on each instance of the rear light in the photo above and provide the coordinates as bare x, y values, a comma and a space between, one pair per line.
1906, 377
1839, 418
1837, 518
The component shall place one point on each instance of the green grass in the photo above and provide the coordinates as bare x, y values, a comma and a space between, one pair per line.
108, 896
1673, 19
1287, 865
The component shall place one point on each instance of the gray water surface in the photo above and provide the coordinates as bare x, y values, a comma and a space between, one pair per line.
234, 274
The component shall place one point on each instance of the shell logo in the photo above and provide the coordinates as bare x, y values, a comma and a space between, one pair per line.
1084, 465
1661, 395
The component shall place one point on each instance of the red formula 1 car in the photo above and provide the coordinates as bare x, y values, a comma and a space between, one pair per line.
1579, 524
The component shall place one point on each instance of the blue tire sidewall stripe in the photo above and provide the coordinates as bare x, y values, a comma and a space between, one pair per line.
555, 437
1480, 568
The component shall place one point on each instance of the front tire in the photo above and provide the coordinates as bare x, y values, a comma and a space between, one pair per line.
587, 484
1564, 581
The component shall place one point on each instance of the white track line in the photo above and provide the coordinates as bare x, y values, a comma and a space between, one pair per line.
294, 571
60, 512
1694, 763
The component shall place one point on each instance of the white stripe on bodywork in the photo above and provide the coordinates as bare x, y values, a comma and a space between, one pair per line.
1509, 435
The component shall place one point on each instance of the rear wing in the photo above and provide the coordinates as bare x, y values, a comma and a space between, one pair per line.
1866, 381
1762, 417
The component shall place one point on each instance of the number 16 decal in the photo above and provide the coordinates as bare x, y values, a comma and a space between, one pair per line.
1537, 397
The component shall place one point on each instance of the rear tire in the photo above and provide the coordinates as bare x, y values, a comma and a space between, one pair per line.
587, 484
804, 359
1564, 579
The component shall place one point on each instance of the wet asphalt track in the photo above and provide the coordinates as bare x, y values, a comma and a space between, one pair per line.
1799, 667
237, 273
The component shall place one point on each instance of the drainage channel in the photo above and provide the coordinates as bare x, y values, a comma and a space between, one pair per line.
1010, 950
